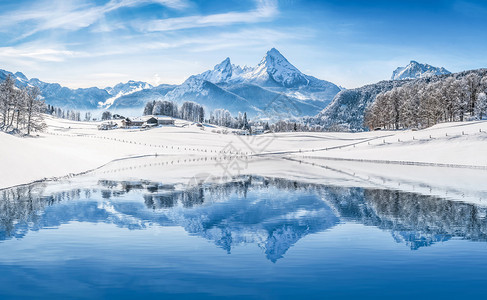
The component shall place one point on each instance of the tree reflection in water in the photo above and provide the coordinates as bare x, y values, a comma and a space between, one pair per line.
273, 213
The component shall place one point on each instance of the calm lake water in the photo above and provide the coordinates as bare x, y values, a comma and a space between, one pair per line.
252, 237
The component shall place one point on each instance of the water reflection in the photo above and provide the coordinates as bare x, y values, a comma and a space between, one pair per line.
272, 213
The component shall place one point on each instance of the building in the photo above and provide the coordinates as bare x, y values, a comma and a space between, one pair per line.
132, 122
147, 121
164, 120
107, 125
257, 129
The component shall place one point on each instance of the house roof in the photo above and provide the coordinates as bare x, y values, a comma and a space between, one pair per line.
145, 118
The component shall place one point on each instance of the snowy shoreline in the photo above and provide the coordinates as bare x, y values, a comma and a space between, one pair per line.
71, 148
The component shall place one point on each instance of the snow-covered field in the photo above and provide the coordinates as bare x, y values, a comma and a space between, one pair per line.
69, 147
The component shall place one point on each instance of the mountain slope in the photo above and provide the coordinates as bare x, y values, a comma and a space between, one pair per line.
209, 95
416, 70
269, 102
347, 110
123, 89
138, 99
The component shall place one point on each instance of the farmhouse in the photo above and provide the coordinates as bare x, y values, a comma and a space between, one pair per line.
132, 122
147, 121
163, 120
257, 129
107, 125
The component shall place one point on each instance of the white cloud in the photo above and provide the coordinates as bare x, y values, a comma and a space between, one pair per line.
71, 15
36, 53
156, 79
141, 45
265, 10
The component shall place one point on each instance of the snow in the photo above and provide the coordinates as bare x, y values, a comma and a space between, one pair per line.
220, 73
416, 70
123, 89
70, 147
274, 66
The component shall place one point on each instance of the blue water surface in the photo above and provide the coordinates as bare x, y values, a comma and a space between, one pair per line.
250, 238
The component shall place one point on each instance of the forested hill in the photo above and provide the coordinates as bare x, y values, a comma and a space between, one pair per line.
462, 93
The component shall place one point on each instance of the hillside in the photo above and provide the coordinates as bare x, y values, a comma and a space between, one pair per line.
347, 110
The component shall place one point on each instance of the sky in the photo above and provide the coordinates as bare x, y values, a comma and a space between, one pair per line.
85, 43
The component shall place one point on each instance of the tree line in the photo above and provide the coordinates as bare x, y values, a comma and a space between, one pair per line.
72, 115
194, 112
189, 111
21, 109
223, 117
423, 104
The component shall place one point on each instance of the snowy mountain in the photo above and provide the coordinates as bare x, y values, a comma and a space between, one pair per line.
256, 89
417, 70
223, 72
60, 96
133, 94
274, 69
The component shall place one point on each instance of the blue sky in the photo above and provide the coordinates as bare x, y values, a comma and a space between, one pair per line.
83, 43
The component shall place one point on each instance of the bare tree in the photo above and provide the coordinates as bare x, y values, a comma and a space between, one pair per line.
34, 110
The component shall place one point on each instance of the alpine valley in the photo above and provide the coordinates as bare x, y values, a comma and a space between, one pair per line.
273, 86
274, 90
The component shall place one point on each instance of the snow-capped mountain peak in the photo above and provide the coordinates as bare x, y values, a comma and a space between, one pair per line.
224, 65
274, 59
274, 67
417, 70
220, 73
273, 70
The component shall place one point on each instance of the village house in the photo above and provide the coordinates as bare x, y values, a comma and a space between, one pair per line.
146, 121
107, 125
257, 129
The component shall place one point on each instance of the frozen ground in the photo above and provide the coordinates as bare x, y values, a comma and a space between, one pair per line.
74, 147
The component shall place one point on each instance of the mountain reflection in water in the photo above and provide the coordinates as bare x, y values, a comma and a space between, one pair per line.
273, 213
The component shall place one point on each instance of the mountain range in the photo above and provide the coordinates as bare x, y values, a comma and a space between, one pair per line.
272, 89
274, 84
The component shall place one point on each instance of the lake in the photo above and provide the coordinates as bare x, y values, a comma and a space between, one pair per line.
248, 236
